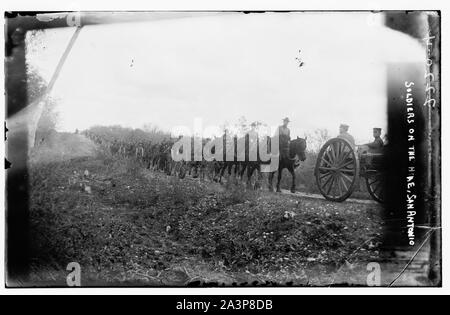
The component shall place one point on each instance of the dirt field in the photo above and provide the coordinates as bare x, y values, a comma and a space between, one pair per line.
126, 225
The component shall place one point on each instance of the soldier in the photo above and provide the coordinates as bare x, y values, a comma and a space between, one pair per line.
283, 130
377, 145
139, 151
343, 134
386, 139
284, 137
251, 143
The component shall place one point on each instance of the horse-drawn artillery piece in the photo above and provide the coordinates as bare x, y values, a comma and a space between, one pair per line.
339, 167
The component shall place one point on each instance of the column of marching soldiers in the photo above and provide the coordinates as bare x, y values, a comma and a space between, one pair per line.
157, 156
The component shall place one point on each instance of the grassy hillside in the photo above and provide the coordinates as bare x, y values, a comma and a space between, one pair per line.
125, 224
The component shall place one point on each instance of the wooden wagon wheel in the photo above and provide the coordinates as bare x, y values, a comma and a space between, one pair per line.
337, 170
375, 185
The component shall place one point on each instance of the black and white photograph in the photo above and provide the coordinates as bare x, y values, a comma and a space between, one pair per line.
200, 149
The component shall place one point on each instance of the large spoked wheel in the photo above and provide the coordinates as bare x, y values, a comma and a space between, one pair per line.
375, 185
337, 170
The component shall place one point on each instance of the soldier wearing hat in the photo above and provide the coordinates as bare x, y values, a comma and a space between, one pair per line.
251, 142
343, 134
376, 146
283, 130
284, 135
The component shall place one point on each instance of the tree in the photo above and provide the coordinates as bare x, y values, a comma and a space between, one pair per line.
36, 88
317, 139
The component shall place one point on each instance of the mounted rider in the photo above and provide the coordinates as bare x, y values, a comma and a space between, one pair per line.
284, 138
251, 143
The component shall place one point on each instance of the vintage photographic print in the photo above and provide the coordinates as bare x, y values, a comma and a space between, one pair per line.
223, 148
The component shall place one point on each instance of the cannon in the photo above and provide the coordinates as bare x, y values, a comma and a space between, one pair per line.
339, 167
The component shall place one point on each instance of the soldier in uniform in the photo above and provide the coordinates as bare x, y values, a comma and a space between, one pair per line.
343, 134
386, 140
251, 143
376, 146
284, 137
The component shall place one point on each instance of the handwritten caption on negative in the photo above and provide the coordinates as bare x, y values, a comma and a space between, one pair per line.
410, 178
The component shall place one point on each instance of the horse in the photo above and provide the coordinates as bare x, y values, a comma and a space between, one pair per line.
297, 149
227, 163
287, 159
162, 158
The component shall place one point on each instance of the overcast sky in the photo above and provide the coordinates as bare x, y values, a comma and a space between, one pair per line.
221, 67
